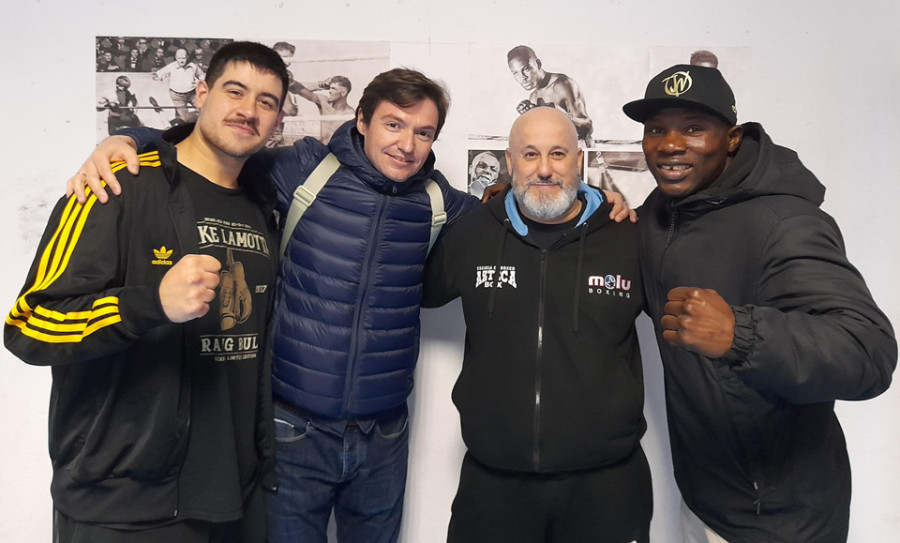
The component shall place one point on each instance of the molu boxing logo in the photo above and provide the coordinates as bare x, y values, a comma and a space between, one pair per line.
486, 275
677, 84
609, 285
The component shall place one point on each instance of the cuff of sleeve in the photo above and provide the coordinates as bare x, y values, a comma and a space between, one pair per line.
744, 332
141, 309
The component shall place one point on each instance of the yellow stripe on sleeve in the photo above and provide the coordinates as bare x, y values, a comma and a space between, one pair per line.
51, 326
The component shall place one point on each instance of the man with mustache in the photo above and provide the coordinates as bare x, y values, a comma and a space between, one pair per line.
152, 312
550, 395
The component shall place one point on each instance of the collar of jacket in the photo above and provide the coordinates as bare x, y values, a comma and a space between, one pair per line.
347, 144
759, 168
167, 152
593, 199
259, 192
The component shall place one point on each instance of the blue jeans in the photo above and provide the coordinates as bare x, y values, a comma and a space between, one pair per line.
357, 469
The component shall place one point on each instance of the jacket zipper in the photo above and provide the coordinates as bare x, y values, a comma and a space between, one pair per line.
353, 352
536, 458
757, 503
672, 220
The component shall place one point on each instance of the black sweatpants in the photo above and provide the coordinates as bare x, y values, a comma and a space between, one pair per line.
612, 504
249, 529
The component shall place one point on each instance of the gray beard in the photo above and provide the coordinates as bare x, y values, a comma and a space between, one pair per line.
545, 209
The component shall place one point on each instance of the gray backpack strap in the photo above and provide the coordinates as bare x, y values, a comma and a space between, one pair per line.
305, 195
438, 215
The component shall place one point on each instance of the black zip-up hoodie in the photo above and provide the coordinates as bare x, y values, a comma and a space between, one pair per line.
758, 452
551, 378
121, 397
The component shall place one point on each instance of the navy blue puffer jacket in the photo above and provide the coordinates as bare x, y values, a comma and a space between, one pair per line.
346, 321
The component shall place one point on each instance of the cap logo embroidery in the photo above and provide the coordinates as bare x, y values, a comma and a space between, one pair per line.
677, 84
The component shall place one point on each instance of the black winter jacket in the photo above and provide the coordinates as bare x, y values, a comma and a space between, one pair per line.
758, 452
551, 378
121, 398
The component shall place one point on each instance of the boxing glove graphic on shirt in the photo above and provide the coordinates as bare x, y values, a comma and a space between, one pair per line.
235, 303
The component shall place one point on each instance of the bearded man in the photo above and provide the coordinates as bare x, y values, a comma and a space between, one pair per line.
550, 395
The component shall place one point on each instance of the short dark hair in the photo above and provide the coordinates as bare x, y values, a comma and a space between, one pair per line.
521, 52
406, 88
342, 81
261, 57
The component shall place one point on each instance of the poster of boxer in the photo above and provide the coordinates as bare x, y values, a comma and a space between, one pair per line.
486, 167
151, 81
590, 85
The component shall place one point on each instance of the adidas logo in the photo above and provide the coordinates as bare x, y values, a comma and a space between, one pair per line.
162, 256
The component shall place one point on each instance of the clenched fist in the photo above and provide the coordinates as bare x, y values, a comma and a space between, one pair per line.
698, 320
187, 289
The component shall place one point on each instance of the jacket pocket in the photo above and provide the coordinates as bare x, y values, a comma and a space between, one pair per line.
111, 419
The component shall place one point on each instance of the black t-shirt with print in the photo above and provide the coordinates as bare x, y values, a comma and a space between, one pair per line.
221, 463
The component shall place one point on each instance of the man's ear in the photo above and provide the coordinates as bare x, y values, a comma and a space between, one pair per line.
735, 135
580, 162
360, 124
202, 91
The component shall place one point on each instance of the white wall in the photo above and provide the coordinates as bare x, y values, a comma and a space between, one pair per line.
824, 78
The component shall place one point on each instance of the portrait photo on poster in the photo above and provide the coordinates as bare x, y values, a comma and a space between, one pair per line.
486, 167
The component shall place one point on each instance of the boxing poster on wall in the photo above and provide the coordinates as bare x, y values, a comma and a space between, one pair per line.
590, 85
151, 81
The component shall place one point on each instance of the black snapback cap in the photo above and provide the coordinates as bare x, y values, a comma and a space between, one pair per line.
688, 86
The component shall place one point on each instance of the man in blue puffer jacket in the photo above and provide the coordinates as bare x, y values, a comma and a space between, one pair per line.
346, 320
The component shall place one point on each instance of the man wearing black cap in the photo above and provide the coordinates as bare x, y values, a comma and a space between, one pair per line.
762, 322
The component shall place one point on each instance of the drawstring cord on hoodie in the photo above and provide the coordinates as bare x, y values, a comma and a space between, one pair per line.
506, 228
577, 294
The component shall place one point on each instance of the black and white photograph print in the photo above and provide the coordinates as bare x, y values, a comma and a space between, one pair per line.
486, 167
327, 79
588, 84
149, 81
550, 89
